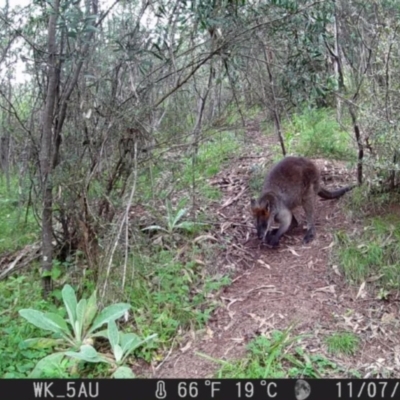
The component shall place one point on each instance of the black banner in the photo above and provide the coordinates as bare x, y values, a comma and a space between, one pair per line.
202, 389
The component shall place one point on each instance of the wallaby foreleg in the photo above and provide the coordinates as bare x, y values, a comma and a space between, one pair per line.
293, 224
285, 218
308, 206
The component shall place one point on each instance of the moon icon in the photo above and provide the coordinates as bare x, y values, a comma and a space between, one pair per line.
302, 390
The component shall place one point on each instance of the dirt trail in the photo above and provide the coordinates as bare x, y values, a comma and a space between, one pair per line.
276, 287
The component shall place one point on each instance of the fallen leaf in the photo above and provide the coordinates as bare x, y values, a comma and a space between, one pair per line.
187, 346
374, 278
387, 318
210, 332
336, 270
293, 251
204, 237
328, 247
326, 289
225, 226
227, 327
361, 292
264, 264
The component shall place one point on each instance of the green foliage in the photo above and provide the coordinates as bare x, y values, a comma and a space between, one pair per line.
122, 345
17, 358
267, 129
179, 174
173, 223
84, 319
344, 342
278, 356
381, 166
79, 331
372, 253
172, 288
211, 156
168, 295
17, 228
315, 132
211, 193
253, 111
304, 77
363, 201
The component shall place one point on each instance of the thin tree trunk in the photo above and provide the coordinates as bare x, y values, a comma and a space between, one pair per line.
359, 144
197, 131
5, 138
336, 64
45, 157
275, 111
232, 83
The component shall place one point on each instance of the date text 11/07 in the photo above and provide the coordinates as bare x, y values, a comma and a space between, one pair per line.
371, 390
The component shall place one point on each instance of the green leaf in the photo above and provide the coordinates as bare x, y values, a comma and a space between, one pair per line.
51, 361
80, 317
87, 353
91, 28
40, 320
123, 373
113, 335
130, 342
60, 321
91, 17
70, 302
153, 228
90, 312
118, 353
77, 328
43, 343
103, 333
179, 215
110, 313
187, 225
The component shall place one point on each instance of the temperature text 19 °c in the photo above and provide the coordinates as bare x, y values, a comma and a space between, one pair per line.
246, 389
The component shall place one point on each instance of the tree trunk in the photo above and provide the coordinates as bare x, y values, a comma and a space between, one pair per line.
46, 165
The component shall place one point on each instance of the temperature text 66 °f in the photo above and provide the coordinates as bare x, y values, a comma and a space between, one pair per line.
246, 389
188, 390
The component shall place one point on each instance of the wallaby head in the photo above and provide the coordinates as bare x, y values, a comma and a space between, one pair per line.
262, 210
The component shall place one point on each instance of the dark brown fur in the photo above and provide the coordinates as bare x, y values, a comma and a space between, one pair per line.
292, 182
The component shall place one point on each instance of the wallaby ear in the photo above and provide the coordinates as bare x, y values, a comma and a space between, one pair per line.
267, 201
264, 204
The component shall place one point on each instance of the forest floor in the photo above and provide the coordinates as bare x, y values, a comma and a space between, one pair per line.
294, 284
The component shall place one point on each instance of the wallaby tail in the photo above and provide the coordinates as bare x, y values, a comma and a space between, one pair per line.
327, 195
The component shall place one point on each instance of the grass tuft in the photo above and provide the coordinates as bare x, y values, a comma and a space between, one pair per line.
372, 253
342, 343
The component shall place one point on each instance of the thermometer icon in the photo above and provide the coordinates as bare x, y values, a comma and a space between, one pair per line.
161, 393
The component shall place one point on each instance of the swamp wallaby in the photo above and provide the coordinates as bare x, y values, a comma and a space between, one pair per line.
292, 182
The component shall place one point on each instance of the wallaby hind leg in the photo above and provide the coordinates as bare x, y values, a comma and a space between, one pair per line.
285, 219
308, 206
294, 223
